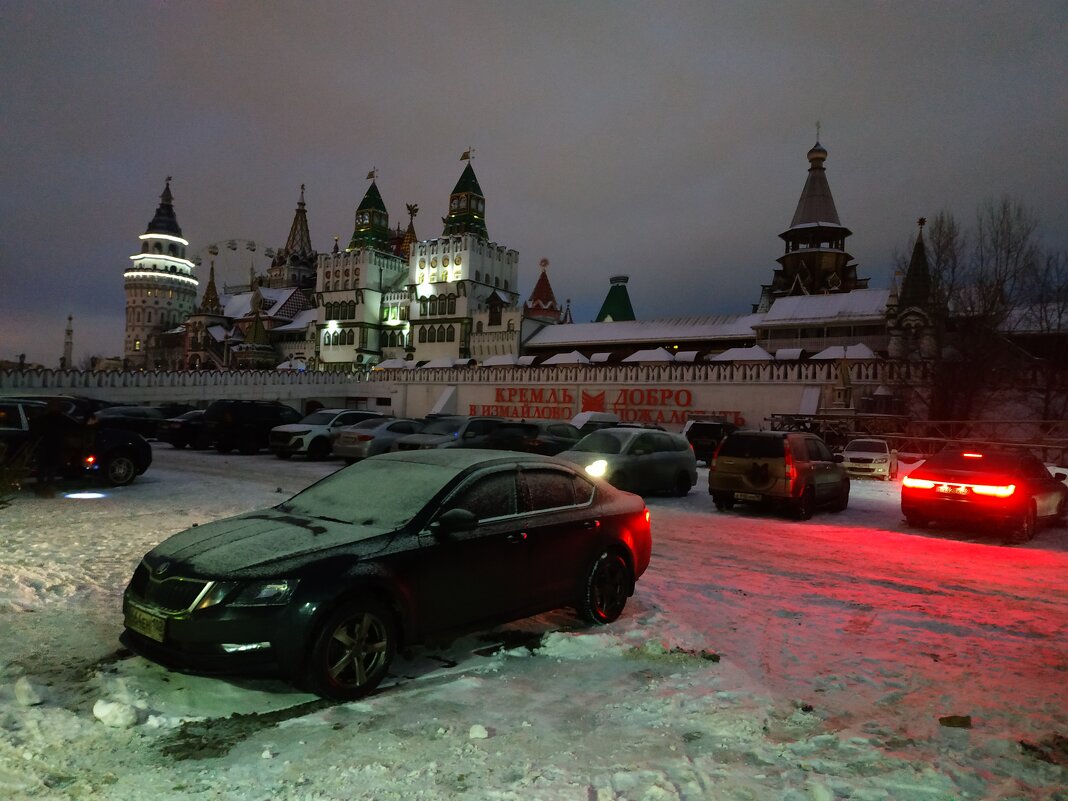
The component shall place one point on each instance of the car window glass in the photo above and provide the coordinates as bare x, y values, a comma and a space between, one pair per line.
747, 446
646, 443
583, 490
547, 489
9, 416
599, 442
817, 451
487, 497
1034, 469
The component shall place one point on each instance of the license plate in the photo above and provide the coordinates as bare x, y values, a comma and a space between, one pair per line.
144, 623
951, 490
747, 496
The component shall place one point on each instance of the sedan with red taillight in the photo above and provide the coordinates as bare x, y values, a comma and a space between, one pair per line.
1009, 493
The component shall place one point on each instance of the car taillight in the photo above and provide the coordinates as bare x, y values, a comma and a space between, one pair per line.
715, 455
90, 460
917, 483
648, 515
995, 491
364, 437
788, 470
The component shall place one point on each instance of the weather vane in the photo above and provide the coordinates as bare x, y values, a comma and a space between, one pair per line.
817, 130
373, 174
468, 155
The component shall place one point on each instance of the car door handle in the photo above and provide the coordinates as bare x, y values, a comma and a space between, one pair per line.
517, 537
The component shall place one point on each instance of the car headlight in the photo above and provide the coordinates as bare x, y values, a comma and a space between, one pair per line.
300, 433
598, 468
273, 592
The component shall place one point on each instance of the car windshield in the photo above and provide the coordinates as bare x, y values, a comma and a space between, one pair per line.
599, 442
319, 418
867, 446
400, 491
972, 461
442, 426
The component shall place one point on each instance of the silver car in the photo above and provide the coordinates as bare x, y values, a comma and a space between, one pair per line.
637, 460
372, 437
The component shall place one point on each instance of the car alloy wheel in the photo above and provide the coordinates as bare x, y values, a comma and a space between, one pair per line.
120, 470
319, 449
1025, 526
607, 588
806, 504
352, 650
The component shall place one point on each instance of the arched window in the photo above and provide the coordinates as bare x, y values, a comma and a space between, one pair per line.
496, 281
352, 310
495, 314
351, 337
450, 334
478, 327
441, 333
148, 316
433, 306
452, 304
422, 333
422, 307
334, 338
431, 334
478, 275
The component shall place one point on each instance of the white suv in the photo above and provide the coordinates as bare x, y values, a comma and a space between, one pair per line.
311, 436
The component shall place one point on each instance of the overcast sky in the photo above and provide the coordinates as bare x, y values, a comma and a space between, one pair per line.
664, 141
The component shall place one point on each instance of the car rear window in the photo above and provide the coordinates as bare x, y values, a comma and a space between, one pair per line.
443, 426
747, 446
982, 463
598, 442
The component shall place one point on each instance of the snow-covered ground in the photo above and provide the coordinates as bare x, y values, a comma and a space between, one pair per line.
845, 657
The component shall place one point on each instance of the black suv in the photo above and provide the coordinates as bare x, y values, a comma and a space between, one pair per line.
243, 425
705, 436
114, 455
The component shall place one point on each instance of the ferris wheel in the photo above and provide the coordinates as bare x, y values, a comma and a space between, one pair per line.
229, 257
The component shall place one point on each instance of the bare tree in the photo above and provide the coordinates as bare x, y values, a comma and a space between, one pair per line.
982, 280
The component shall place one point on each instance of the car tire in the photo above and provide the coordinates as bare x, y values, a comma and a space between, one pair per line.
1061, 518
842, 503
120, 469
723, 502
178, 444
915, 522
248, 446
318, 449
1025, 526
682, 485
352, 650
606, 589
806, 504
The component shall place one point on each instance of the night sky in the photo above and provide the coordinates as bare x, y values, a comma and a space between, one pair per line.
664, 141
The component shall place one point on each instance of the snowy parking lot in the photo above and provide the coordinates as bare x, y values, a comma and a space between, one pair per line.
844, 657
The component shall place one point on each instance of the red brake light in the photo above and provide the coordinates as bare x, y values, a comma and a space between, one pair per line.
997, 492
90, 461
972, 455
789, 469
364, 437
715, 455
648, 515
917, 483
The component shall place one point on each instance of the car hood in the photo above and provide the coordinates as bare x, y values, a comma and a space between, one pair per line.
298, 427
263, 542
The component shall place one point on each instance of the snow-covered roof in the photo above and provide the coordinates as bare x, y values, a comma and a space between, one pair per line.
217, 332
686, 356
503, 360
752, 354
860, 304
293, 364
394, 364
240, 305
651, 355
300, 322
678, 329
789, 354
858, 351
571, 357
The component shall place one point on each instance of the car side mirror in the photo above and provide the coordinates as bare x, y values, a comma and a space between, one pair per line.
1060, 476
453, 521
